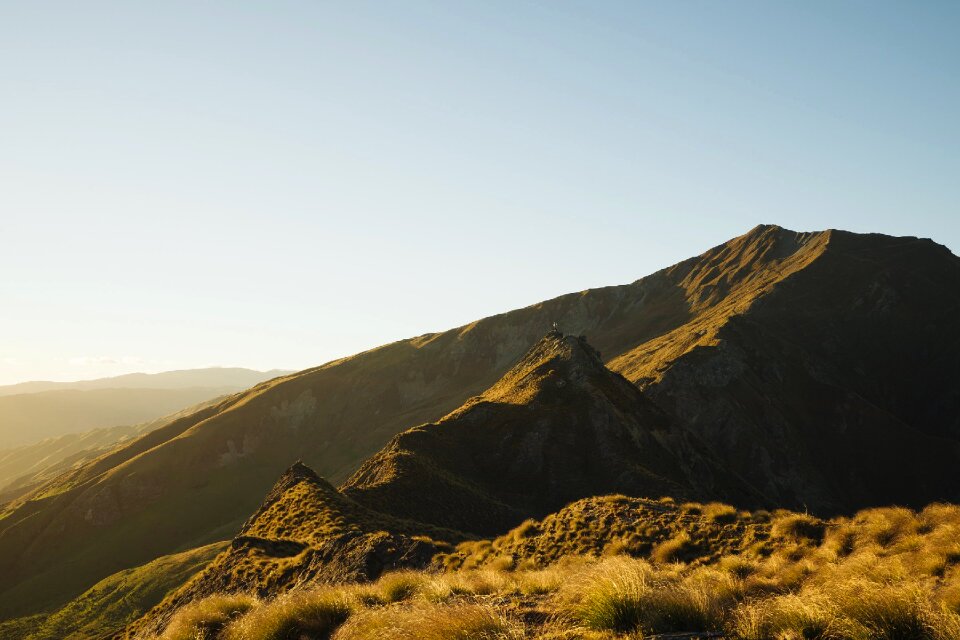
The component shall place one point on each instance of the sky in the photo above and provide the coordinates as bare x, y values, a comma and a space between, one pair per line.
277, 184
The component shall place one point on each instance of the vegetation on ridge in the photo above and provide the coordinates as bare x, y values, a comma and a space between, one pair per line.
885, 573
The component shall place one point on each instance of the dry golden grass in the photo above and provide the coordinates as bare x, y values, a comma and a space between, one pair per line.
205, 619
720, 513
437, 622
885, 574
625, 595
311, 614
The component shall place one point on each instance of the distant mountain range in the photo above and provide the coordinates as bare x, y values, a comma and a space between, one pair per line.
25, 467
817, 371
47, 428
182, 379
32, 411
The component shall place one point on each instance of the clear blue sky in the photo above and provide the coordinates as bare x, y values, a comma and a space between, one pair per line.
275, 184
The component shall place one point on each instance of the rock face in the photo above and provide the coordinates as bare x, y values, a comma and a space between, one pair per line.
822, 369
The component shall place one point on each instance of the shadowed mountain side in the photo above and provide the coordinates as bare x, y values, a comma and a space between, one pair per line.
557, 427
665, 331
838, 389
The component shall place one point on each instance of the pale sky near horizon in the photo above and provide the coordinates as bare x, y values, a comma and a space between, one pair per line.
276, 184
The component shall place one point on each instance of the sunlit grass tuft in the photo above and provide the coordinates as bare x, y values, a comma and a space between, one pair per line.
204, 619
885, 574
310, 614
438, 622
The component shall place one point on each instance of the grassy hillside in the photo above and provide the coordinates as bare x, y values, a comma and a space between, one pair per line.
783, 352
25, 468
557, 427
115, 601
31, 417
884, 573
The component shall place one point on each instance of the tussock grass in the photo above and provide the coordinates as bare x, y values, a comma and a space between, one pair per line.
800, 528
625, 595
401, 585
311, 614
677, 549
204, 619
720, 513
885, 574
453, 622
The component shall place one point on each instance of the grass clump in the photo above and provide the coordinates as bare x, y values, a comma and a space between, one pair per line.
301, 614
719, 513
449, 622
799, 527
204, 619
677, 549
401, 585
625, 595
788, 617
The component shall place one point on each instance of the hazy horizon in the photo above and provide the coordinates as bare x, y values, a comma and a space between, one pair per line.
145, 373
234, 185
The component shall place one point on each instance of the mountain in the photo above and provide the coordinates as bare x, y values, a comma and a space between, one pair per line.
24, 468
837, 387
182, 379
820, 369
32, 417
29, 414
556, 428
559, 426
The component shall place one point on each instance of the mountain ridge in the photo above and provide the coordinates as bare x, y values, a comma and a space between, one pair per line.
557, 427
679, 334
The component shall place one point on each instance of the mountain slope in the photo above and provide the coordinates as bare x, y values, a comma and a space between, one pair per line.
31, 417
115, 601
732, 345
557, 427
25, 468
305, 531
838, 388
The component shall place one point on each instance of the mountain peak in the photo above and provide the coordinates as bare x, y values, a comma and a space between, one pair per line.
299, 470
559, 348
554, 361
